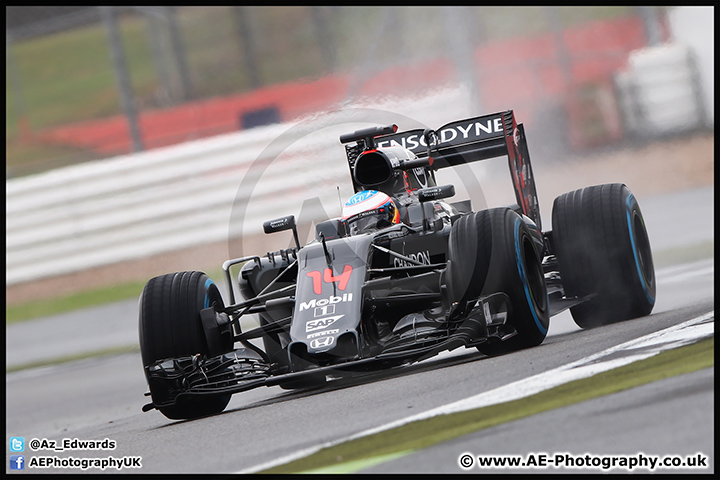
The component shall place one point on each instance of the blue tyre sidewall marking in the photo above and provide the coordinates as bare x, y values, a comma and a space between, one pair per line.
208, 283
523, 277
629, 202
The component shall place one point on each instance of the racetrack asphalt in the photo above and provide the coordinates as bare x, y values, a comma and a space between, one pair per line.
679, 219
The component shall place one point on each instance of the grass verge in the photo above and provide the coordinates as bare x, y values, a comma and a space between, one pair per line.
72, 358
676, 255
90, 298
365, 451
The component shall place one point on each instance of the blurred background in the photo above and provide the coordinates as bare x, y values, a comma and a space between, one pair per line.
130, 129
90, 82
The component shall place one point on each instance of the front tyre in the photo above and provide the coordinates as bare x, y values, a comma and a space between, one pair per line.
494, 251
170, 326
602, 249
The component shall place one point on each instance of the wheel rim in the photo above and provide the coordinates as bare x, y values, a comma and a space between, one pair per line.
535, 277
642, 246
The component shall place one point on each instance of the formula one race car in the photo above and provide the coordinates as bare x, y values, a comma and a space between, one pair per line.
402, 276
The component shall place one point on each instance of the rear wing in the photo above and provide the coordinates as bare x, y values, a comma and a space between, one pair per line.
459, 142
472, 140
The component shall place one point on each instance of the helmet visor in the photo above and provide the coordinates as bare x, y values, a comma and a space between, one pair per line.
368, 221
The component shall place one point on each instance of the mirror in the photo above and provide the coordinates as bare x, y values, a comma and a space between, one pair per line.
436, 193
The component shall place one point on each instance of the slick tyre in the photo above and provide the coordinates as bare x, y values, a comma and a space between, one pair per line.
602, 249
170, 326
494, 251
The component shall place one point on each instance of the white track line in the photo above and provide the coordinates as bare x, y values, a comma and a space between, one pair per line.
631, 351
686, 268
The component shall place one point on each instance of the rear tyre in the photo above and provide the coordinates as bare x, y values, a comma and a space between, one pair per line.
602, 248
170, 326
494, 251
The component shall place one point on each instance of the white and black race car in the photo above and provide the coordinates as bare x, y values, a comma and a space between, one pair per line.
403, 275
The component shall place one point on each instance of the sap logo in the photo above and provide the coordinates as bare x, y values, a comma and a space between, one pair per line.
321, 323
422, 257
323, 333
346, 297
325, 342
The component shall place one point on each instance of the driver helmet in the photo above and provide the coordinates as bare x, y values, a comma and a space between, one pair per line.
369, 210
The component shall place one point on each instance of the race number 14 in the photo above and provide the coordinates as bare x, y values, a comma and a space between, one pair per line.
328, 277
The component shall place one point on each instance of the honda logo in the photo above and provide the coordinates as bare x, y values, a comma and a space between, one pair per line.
324, 342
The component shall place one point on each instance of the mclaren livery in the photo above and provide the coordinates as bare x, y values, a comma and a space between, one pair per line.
404, 274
